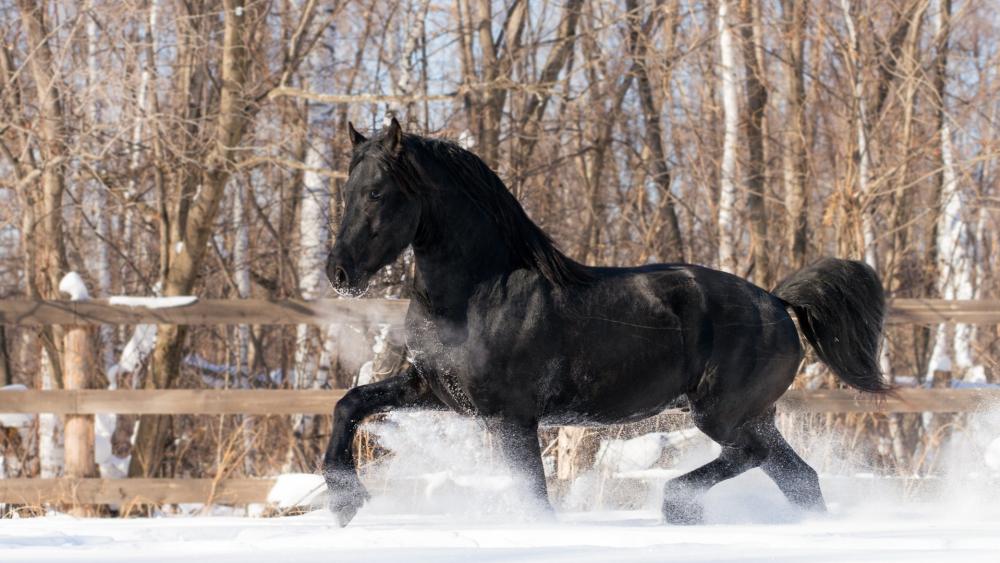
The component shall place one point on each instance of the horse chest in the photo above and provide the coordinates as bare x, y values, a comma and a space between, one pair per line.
445, 367
468, 359
450, 383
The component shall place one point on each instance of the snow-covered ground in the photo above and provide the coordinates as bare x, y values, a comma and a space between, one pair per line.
444, 497
441, 519
909, 533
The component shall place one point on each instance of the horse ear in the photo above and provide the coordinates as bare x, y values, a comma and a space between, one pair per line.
356, 138
393, 136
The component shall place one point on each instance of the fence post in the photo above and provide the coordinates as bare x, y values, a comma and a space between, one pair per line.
6, 374
78, 368
572, 453
79, 365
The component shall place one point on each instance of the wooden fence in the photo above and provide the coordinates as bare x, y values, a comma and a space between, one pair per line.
351, 311
77, 402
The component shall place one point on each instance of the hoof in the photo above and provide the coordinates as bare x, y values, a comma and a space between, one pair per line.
345, 495
808, 501
683, 512
345, 509
541, 512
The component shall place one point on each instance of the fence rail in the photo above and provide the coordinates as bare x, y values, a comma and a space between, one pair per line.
66, 490
392, 311
205, 312
170, 401
283, 402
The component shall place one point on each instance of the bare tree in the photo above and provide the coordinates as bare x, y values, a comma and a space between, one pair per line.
669, 243
756, 93
198, 191
861, 202
795, 164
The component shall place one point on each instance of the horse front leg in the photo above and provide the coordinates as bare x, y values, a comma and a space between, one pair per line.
518, 441
346, 494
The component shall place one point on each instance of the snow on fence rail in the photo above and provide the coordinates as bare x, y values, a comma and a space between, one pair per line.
391, 311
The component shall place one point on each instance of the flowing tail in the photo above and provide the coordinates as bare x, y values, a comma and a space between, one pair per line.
840, 305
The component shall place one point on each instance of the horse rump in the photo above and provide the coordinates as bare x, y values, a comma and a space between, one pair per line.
840, 305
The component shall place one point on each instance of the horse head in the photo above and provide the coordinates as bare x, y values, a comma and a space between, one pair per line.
382, 210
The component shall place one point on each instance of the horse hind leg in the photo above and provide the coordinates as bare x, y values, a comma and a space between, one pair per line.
682, 496
796, 479
755, 443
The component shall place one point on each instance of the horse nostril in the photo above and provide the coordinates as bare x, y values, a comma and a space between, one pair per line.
340, 276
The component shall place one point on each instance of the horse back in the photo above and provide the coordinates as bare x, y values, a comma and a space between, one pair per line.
623, 347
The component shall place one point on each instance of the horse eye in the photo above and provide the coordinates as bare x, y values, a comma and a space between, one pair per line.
375, 195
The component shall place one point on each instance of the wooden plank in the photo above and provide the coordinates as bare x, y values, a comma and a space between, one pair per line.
904, 401
171, 401
934, 311
206, 312
125, 492
35, 492
367, 311
283, 401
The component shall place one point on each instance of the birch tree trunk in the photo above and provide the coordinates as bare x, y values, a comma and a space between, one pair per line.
312, 344
862, 203
241, 275
314, 240
728, 231
954, 252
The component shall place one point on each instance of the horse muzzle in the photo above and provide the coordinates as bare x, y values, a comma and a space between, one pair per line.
345, 277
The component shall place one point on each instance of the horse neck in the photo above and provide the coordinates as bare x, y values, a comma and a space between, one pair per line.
461, 248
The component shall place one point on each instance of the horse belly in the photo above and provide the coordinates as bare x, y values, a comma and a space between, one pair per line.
621, 383
602, 415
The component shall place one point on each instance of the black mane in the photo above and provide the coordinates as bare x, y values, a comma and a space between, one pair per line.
528, 243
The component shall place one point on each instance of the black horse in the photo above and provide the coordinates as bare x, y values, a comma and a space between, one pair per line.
504, 327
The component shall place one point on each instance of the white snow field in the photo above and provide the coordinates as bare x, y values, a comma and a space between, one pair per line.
444, 497
909, 533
